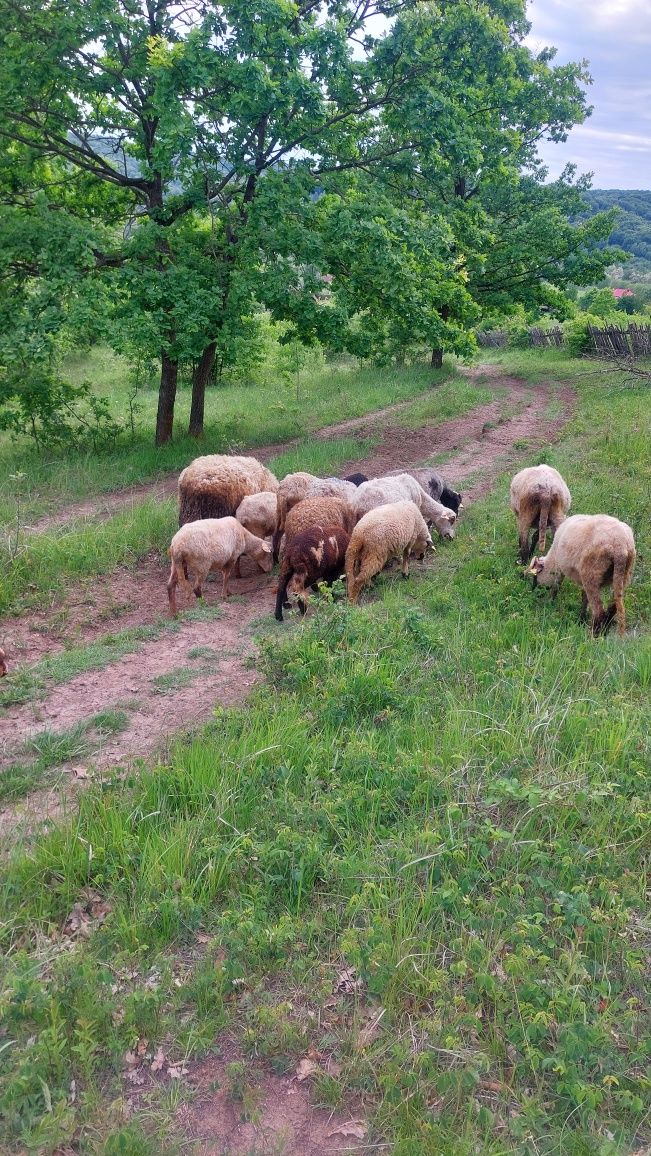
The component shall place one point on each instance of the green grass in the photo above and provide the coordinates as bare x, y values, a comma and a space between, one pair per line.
54, 748
445, 790
321, 457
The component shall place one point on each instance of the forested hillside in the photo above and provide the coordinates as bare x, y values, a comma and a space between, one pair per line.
633, 225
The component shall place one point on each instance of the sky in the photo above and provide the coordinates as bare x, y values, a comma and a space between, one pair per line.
615, 37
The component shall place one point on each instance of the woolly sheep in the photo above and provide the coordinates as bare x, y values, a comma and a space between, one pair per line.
212, 544
295, 487
318, 512
3, 663
593, 551
396, 529
213, 486
257, 513
539, 498
316, 555
401, 487
434, 484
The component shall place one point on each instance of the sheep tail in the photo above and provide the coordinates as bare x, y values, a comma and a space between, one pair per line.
620, 571
545, 507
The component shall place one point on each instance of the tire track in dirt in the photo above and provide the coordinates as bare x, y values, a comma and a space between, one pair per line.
482, 445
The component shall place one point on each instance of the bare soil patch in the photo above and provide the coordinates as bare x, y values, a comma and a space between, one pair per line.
282, 1119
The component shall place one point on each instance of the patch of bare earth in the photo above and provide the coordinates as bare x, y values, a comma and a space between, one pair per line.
276, 1118
481, 445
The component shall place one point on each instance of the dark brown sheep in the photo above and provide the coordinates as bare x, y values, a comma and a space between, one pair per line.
3, 664
315, 556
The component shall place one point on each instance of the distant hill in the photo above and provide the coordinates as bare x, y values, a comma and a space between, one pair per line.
632, 228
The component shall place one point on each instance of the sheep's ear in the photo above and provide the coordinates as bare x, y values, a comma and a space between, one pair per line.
452, 517
536, 566
266, 548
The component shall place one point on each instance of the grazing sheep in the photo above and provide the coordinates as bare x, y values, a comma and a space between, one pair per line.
257, 513
3, 664
295, 487
356, 479
539, 498
398, 488
592, 550
213, 486
316, 555
317, 512
396, 529
434, 485
212, 544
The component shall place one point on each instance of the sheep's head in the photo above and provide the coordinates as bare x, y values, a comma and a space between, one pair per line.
264, 557
445, 524
537, 568
296, 584
421, 545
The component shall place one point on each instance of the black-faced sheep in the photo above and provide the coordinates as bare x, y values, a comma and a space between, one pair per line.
593, 551
212, 544
356, 479
316, 555
434, 484
3, 663
394, 530
398, 488
539, 499
213, 486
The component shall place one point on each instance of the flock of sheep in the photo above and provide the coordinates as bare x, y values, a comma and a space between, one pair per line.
321, 528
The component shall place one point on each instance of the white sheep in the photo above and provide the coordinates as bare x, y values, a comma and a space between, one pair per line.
593, 551
212, 544
213, 486
393, 530
402, 487
257, 513
539, 498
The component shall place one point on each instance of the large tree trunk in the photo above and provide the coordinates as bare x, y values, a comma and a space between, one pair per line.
166, 397
200, 379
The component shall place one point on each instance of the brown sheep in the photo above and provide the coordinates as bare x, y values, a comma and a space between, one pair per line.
316, 512
316, 555
295, 487
539, 498
3, 664
593, 551
213, 486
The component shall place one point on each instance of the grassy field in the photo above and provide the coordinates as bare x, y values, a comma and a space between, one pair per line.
441, 796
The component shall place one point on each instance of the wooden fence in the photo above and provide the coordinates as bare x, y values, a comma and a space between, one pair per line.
545, 337
492, 339
612, 341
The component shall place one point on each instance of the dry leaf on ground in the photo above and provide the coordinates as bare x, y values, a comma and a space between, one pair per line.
158, 1060
305, 1068
349, 1128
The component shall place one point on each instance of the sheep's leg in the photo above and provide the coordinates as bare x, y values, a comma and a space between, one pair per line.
405, 563
591, 592
621, 568
557, 585
227, 573
367, 572
543, 518
172, 583
282, 600
238, 572
583, 612
524, 525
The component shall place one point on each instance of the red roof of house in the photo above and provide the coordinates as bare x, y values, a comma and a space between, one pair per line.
622, 292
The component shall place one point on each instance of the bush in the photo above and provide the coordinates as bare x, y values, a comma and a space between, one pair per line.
36, 403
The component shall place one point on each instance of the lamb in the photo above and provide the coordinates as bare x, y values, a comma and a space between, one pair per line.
213, 486
398, 488
433, 484
316, 555
212, 544
3, 663
258, 512
385, 532
592, 550
539, 498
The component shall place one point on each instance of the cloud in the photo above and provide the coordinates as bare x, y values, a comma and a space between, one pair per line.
615, 37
